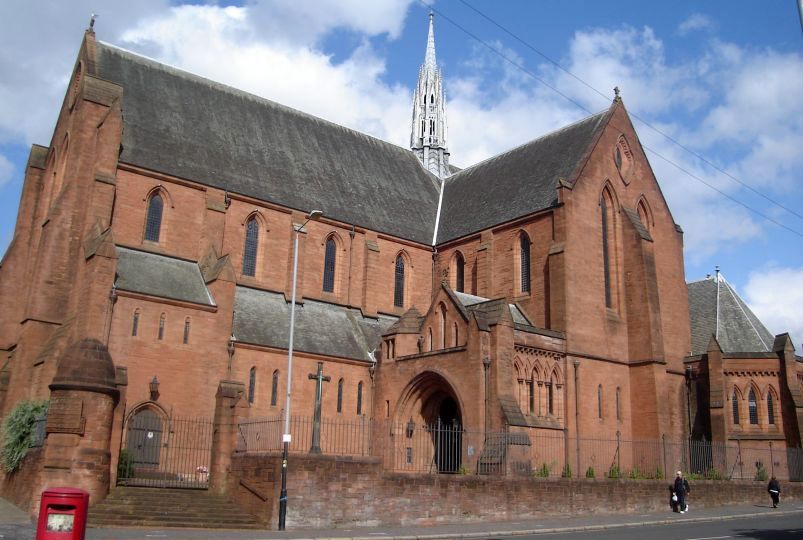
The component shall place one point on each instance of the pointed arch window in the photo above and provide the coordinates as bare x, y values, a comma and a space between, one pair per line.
735, 407
329, 265
752, 407
153, 222
398, 283
599, 401
135, 323
455, 334
186, 338
251, 247
605, 207
252, 382
442, 328
524, 262
551, 396
459, 272
531, 393
770, 409
340, 395
359, 398
274, 388
429, 341
161, 333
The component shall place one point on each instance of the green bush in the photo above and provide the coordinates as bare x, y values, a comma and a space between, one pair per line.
761, 472
18, 432
590, 473
714, 474
659, 473
614, 471
567, 471
543, 472
125, 467
635, 474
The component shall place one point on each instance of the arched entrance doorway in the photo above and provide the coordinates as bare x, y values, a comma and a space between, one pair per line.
434, 424
144, 439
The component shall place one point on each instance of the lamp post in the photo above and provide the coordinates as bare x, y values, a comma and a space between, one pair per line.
314, 215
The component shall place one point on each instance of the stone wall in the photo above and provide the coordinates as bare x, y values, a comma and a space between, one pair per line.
18, 487
325, 491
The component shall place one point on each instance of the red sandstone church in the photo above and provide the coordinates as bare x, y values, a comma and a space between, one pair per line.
528, 311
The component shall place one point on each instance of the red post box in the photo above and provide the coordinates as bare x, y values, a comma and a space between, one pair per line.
62, 514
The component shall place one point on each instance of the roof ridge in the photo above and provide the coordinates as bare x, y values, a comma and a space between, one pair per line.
237, 91
525, 144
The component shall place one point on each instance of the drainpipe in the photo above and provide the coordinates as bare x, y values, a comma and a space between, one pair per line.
576, 364
112, 301
486, 365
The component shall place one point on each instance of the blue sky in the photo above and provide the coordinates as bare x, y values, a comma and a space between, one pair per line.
723, 78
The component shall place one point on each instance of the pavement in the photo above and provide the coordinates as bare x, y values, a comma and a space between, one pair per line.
14, 523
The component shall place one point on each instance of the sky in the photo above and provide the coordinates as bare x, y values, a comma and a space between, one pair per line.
715, 90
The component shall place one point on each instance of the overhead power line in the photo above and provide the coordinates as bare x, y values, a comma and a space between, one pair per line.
519, 66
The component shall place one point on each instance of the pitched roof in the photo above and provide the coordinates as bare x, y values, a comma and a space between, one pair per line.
159, 275
187, 126
716, 309
515, 183
263, 318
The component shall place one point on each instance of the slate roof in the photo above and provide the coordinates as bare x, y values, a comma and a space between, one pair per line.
515, 183
473, 302
739, 328
181, 124
263, 318
159, 275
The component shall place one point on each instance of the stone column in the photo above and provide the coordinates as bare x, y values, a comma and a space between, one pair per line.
231, 407
83, 396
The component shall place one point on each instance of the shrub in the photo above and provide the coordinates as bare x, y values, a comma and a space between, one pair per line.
567, 471
590, 473
614, 471
125, 467
18, 432
761, 472
714, 474
635, 474
659, 473
543, 472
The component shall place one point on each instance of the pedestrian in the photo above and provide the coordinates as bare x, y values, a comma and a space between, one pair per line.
673, 499
774, 489
680, 492
687, 488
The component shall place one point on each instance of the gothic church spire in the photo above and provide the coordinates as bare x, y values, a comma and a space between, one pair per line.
428, 135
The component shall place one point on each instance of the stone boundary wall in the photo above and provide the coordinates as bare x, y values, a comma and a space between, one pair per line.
19, 485
326, 492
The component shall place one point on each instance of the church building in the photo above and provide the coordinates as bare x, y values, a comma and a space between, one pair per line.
538, 295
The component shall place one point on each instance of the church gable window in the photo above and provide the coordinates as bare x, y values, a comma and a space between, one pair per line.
329, 265
770, 409
459, 272
735, 407
398, 282
135, 323
599, 401
251, 247
252, 382
524, 263
607, 220
161, 333
274, 388
623, 158
752, 407
442, 327
153, 221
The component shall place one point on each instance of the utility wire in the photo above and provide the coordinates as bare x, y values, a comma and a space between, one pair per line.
581, 106
634, 115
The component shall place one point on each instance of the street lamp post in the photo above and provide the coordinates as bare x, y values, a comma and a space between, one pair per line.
314, 215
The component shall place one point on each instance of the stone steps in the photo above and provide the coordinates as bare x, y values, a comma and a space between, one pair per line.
152, 507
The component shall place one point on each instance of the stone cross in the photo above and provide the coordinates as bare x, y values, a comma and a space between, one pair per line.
320, 378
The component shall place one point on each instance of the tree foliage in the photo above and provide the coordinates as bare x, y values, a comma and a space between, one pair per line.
18, 432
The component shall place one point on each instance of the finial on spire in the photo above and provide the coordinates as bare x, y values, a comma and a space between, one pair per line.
92, 21
616, 96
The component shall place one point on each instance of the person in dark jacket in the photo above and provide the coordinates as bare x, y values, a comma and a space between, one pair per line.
680, 491
774, 489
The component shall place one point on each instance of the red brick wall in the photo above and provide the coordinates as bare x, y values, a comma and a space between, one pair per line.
331, 492
20, 486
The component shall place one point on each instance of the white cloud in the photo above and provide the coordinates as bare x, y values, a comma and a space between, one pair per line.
6, 170
775, 294
696, 21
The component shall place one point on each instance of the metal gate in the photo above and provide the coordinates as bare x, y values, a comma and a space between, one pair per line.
165, 452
